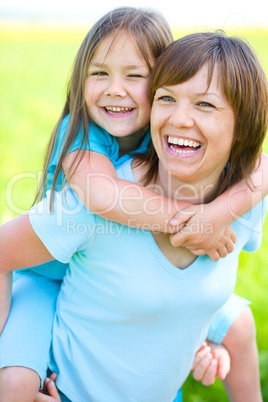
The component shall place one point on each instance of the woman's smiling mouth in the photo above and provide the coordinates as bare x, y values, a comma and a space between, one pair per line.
182, 146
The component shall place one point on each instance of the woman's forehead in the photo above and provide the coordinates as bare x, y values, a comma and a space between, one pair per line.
207, 76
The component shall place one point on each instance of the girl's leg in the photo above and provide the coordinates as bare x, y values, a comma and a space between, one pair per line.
25, 341
243, 381
18, 384
234, 327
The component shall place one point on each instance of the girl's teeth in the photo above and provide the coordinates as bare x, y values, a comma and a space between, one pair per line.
118, 109
182, 142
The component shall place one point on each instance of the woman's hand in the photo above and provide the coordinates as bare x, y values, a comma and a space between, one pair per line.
211, 361
49, 393
205, 233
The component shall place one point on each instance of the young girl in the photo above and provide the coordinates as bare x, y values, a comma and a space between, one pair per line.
109, 84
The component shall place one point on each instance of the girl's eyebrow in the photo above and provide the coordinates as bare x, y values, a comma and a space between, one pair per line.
129, 66
96, 64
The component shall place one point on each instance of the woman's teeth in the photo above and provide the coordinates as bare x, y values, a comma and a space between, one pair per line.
113, 109
182, 142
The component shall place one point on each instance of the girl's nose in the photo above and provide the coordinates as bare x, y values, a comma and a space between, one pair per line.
181, 117
115, 88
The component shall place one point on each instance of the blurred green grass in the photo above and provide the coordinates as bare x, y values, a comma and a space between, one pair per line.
34, 69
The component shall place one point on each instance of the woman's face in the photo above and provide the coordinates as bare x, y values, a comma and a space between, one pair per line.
192, 128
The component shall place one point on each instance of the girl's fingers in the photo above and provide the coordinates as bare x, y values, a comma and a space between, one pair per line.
233, 237
210, 375
180, 218
178, 239
214, 255
224, 365
200, 354
222, 250
229, 246
202, 366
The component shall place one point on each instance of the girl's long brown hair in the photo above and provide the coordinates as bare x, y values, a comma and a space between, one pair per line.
151, 34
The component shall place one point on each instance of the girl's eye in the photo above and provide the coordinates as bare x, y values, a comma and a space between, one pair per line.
99, 73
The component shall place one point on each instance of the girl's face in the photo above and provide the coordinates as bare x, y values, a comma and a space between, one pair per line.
193, 128
116, 89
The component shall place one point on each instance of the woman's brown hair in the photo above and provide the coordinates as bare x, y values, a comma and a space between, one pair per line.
244, 84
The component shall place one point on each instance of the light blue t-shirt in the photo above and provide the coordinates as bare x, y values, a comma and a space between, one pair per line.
128, 322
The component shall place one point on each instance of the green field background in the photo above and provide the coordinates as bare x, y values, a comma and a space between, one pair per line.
35, 64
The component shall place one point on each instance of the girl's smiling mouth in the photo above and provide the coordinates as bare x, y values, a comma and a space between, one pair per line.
117, 110
182, 146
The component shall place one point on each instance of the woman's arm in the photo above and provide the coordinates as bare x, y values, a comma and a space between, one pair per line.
20, 248
5, 297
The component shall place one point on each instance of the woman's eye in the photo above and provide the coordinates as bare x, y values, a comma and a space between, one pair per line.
206, 104
166, 98
134, 75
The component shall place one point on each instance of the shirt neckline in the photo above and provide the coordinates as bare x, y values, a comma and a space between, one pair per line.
155, 250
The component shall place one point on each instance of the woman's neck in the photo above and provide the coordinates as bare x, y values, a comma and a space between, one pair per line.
172, 187
199, 192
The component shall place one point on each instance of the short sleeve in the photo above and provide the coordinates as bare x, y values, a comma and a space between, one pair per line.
99, 141
253, 221
225, 317
66, 230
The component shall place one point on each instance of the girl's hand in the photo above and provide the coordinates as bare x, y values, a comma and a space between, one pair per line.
211, 361
49, 393
204, 233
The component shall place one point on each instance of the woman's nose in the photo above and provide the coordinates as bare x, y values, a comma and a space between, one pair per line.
182, 117
115, 88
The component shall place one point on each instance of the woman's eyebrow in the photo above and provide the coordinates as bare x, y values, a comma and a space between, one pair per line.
165, 89
207, 93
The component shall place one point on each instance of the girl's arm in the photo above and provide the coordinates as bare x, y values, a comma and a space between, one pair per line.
102, 192
214, 217
20, 248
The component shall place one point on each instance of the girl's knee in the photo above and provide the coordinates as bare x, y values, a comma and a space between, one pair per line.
18, 384
243, 330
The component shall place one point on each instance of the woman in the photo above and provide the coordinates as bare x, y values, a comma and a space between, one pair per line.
128, 323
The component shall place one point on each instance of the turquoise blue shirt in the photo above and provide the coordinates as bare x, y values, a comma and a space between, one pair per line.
99, 141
